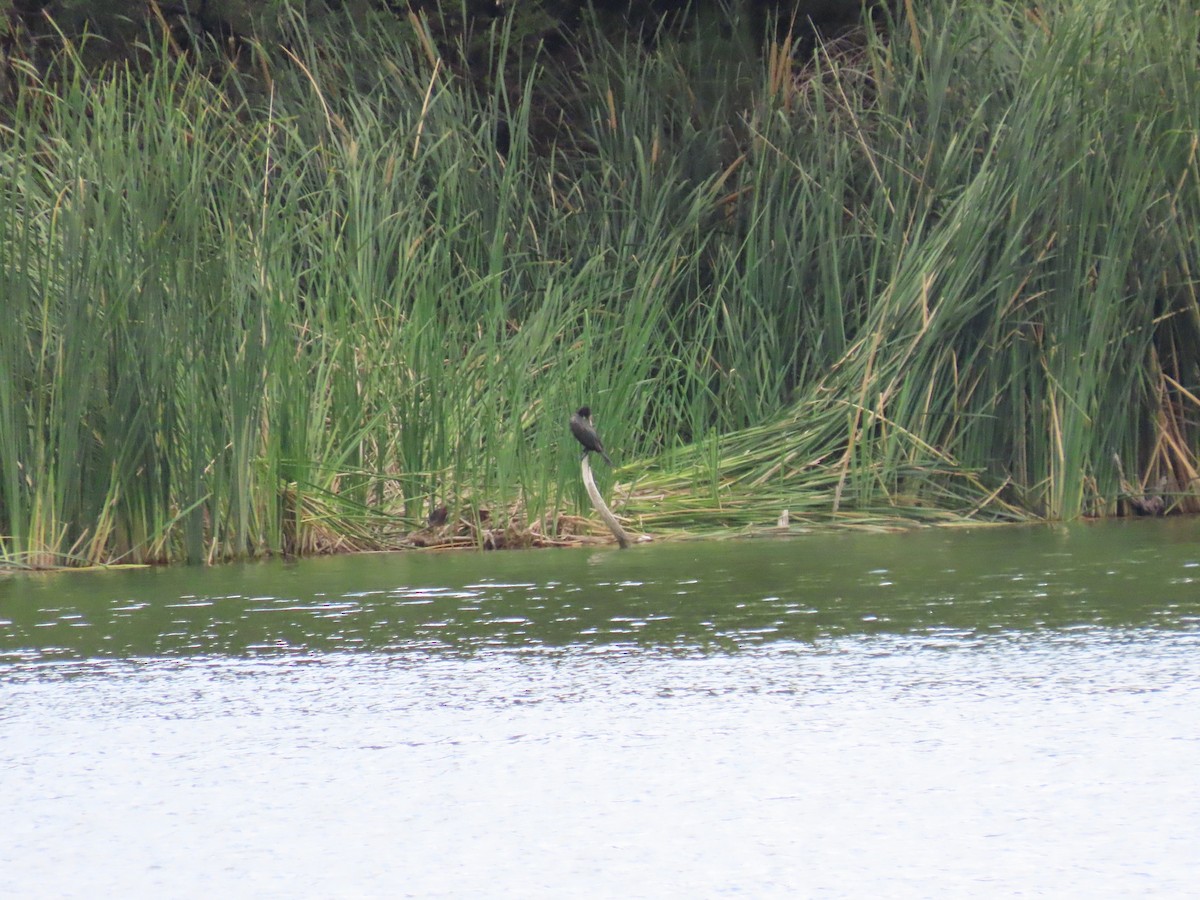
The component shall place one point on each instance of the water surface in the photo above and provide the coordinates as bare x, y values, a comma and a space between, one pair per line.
938, 713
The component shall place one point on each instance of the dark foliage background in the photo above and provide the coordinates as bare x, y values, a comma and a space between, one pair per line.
31, 29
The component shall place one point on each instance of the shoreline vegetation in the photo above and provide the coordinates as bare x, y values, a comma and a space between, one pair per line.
336, 296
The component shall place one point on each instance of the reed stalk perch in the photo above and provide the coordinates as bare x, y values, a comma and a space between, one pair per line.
601, 507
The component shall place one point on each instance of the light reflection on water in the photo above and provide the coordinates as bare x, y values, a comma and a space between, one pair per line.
954, 715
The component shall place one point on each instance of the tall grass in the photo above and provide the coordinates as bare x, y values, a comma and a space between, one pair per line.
296, 310
978, 245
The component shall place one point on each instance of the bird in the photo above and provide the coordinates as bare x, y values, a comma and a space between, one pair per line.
581, 427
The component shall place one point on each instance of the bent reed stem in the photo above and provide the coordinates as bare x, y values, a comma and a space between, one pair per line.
600, 506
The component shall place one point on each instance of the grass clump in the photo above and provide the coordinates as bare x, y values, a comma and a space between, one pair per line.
935, 272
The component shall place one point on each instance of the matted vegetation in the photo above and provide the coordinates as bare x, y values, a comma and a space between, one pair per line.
940, 275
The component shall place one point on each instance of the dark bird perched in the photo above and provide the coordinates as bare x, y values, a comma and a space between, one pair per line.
581, 427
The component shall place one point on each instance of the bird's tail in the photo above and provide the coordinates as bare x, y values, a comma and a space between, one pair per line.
607, 460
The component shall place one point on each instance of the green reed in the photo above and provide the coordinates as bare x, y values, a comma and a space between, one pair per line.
983, 241
294, 308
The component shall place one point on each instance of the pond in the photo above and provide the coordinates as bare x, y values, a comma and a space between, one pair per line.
949, 712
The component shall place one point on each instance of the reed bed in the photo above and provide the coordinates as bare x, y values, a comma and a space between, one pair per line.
936, 273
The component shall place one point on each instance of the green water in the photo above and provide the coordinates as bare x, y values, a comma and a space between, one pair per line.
967, 713
694, 595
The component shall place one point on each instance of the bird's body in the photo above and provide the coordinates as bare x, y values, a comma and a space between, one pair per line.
581, 427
